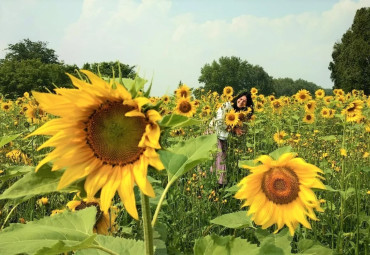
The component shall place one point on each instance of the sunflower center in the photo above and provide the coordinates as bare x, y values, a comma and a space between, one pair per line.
185, 107
280, 185
112, 136
231, 117
308, 117
183, 93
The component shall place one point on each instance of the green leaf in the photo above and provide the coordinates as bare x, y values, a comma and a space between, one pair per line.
234, 220
7, 139
347, 193
274, 243
55, 234
241, 163
177, 121
15, 171
221, 245
328, 138
233, 189
120, 246
183, 156
278, 152
38, 183
307, 246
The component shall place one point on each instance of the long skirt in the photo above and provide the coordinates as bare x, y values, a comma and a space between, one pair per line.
220, 163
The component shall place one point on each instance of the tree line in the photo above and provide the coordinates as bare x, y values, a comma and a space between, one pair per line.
32, 65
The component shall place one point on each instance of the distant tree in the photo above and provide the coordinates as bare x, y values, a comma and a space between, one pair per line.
288, 87
232, 71
27, 49
106, 69
350, 68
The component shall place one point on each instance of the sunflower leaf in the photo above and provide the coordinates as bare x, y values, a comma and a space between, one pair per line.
120, 246
7, 139
51, 235
274, 243
177, 121
37, 183
219, 245
278, 152
185, 155
234, 220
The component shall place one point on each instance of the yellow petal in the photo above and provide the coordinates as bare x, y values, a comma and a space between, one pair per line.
110, 188
126, 192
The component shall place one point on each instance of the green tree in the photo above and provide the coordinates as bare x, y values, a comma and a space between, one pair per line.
350, 68
106, 69
288, 87
232, 71
27, 49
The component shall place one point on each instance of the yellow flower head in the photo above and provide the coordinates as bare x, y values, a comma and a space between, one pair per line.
254, 91
279, 137
302, 96
320, 93
279, 192
6, 106
228, 91
343, 152
310, 106
309, 118
185, 107
102, 135
277, 106
183, 91
231, 118
43, 201
259, 107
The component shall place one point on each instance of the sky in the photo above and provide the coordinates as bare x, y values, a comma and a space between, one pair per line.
171, 40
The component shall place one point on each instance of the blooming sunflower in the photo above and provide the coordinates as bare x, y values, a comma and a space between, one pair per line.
320, 93
310, 106
102, 134
185, 107
353, 111
309, 118
279, 192
183, 91
279, 137
259, 107
228, 91
165, 99
254, 91
302, 96
231, 118
277, 106
7, 106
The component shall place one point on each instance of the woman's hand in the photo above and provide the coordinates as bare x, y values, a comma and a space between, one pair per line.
239, 131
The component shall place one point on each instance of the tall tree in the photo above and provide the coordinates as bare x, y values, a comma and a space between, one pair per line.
27, 49
232, 71
350, 68
106, 69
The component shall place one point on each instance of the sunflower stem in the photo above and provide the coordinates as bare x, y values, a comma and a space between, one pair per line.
160, 202
148, 230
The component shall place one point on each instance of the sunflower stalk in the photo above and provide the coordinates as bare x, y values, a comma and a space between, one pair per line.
161, 202
148, 230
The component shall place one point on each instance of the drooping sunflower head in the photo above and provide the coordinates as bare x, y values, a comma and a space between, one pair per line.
231, 118
183, 91
104, 135
277, 105
185, 107
328, 99
279, 192
228, 91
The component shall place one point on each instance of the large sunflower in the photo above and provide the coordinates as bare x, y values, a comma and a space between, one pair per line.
102, 134
228, 91
231, 118
279, 192
303, 95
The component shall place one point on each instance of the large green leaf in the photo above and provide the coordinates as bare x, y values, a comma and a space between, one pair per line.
37, 183
185, 155
306, 246
224, 245
274, 243
15, 171
51, 235
7, 139
177, 121
233, 220
118, 245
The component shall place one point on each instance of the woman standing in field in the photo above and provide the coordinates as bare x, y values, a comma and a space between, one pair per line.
229, 118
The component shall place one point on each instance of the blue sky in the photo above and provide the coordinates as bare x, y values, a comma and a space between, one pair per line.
170, 41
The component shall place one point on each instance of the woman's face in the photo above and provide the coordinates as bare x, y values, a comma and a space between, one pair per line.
241, 102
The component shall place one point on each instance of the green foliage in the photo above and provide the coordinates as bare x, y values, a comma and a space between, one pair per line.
350, 68
26, 50
288, 87
107, 68
177, 121
234, 72
234, 220
7, 139
50, 235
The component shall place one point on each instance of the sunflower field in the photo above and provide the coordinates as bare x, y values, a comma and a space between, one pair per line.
103, 168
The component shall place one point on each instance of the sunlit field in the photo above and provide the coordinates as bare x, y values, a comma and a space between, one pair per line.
120, 172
